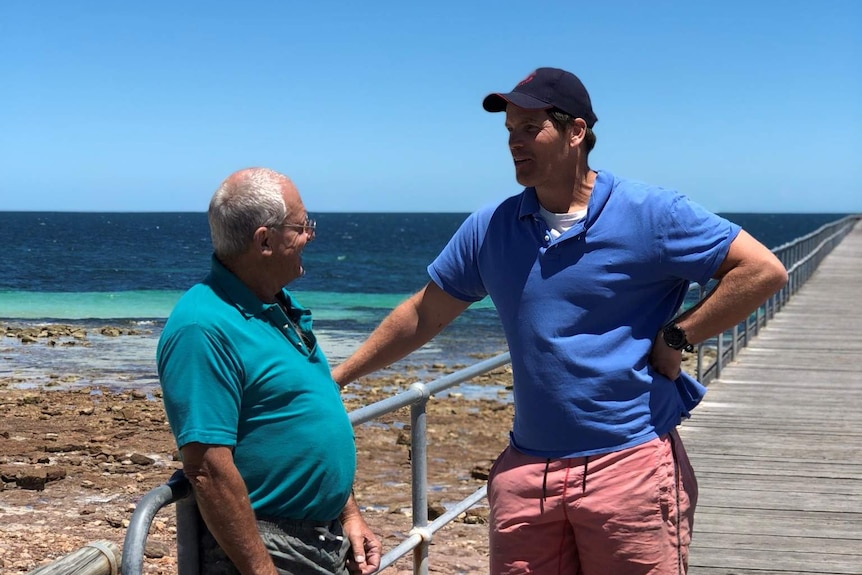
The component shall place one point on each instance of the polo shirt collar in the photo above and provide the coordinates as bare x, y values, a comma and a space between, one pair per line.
598, 198
237, 292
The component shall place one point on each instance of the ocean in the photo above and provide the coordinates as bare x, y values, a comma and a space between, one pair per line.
128, 270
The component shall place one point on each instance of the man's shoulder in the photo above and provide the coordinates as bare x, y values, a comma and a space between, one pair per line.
200, 305
637, 190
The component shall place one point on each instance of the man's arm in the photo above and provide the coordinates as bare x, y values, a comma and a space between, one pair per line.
222, 498
748, 276
364, 557
409, 326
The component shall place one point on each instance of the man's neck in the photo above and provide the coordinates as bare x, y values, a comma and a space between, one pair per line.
570, 197
251, 277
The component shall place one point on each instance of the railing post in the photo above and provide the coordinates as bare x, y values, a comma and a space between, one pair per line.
419, 468
719, 351
757, 321
175, 489
734, 349
188, 537
701, 292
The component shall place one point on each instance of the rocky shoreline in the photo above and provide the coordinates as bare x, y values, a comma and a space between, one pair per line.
74, 461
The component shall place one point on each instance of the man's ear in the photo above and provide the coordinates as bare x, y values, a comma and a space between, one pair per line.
262, 240
579, 132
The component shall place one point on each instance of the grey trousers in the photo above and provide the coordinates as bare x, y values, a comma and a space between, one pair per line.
296, 547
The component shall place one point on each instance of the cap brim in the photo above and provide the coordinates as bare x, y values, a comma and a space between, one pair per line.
498, 102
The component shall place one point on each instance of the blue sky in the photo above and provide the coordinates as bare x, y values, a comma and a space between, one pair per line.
745, 106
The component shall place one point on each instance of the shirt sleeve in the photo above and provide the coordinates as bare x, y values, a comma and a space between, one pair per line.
696, 241
456, 269
201, 387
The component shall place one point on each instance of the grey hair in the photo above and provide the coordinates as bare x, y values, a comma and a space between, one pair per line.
243, 203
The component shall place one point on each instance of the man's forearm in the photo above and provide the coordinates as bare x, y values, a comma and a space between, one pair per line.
392, 340
738, 293
410, 325
223, 501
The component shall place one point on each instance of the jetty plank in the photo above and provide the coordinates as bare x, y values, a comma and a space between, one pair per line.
777, 442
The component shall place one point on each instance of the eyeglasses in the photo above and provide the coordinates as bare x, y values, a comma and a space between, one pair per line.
309, 227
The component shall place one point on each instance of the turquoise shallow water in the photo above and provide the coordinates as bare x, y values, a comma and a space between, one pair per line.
129, 269
153, 304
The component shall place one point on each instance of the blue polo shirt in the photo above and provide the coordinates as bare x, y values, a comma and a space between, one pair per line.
580, 312
234, 372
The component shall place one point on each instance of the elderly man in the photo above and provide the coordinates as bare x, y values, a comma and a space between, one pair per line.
587, 272
264, 437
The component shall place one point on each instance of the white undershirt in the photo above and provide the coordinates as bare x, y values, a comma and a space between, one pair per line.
558, 224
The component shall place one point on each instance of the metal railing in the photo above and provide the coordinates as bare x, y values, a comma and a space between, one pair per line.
800, 257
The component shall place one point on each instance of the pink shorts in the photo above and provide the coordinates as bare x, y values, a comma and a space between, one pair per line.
627, 512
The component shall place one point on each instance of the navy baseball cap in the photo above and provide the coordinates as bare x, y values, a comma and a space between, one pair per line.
544, 89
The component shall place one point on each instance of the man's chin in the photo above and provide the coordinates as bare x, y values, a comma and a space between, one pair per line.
523, 179
523, 174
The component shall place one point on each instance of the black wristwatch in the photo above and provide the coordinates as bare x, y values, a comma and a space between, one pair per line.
674, 337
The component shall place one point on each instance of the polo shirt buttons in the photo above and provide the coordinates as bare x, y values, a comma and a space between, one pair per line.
547, 238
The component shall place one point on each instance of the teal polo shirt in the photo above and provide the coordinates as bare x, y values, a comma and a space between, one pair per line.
234, 372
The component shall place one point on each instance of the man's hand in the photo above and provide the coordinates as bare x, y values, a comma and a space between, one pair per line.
665, 360
364, 557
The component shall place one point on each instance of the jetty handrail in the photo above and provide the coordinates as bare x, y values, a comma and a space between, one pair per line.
416, 396
800, 256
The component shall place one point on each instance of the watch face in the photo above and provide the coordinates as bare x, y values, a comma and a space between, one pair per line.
674, 336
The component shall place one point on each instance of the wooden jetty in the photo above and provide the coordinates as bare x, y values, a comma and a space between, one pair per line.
777, 443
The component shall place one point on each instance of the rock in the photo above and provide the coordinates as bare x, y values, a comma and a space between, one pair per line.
403, 439
124, 414
155, 550
475, 516
63, 448
30, 399
481, 471
55, 473
33, 482
435, 510
139, 459
35, 478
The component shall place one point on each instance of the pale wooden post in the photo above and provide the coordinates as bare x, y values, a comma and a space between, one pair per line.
95, 558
